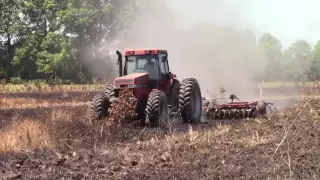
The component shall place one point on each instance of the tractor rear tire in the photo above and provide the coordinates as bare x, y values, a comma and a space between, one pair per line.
100, 105
156, 111
190, 101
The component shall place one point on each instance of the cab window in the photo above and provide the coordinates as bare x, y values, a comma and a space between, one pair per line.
164, 68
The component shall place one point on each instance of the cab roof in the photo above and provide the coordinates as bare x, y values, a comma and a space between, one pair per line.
131, 52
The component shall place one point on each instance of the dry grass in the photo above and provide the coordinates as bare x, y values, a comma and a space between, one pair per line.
26, 135
290, 84
45, 105
30, 87
285, 147
48, 100
14, 102
26, 100
52, 128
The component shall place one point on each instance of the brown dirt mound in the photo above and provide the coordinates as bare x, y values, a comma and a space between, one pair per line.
285, 147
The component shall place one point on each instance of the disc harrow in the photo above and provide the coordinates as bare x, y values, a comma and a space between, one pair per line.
234, 109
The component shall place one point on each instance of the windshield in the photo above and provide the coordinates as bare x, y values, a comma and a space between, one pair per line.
143, 63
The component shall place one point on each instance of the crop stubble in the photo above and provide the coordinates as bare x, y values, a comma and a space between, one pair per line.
285, 146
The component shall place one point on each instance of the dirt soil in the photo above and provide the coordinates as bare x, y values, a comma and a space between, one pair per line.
285, 146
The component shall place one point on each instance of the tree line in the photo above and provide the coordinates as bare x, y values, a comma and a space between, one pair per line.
55, 39
299, 62
67, 41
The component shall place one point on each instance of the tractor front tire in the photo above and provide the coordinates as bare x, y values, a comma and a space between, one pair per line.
110, 91
190, 101
100, 105
156, 111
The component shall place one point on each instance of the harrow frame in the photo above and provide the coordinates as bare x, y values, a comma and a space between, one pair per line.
234, 109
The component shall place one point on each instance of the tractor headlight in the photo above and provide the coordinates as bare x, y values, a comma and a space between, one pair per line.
137, 86
132, 85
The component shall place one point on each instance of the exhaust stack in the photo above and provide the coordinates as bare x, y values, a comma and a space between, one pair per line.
120, 62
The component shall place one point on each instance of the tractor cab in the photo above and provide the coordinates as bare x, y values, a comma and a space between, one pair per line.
152, 63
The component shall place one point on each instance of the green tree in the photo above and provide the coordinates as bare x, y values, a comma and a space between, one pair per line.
9, 34
70, 39
298, 57
313, 71
270, 53
63, 39
90, 25
39, 21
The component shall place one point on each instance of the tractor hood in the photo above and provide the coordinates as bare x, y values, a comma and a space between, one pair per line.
135, 80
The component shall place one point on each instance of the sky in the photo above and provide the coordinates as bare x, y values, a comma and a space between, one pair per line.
287, 20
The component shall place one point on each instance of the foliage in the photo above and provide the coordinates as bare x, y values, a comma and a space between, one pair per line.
67, 41
49, 39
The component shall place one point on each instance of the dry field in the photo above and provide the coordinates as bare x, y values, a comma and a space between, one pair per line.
55, 141
45, 96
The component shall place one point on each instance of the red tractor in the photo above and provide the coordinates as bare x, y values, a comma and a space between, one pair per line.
147, 73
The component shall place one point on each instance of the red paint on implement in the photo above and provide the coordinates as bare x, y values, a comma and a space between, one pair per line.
241, 104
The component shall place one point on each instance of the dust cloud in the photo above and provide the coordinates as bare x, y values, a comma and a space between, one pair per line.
216, 54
